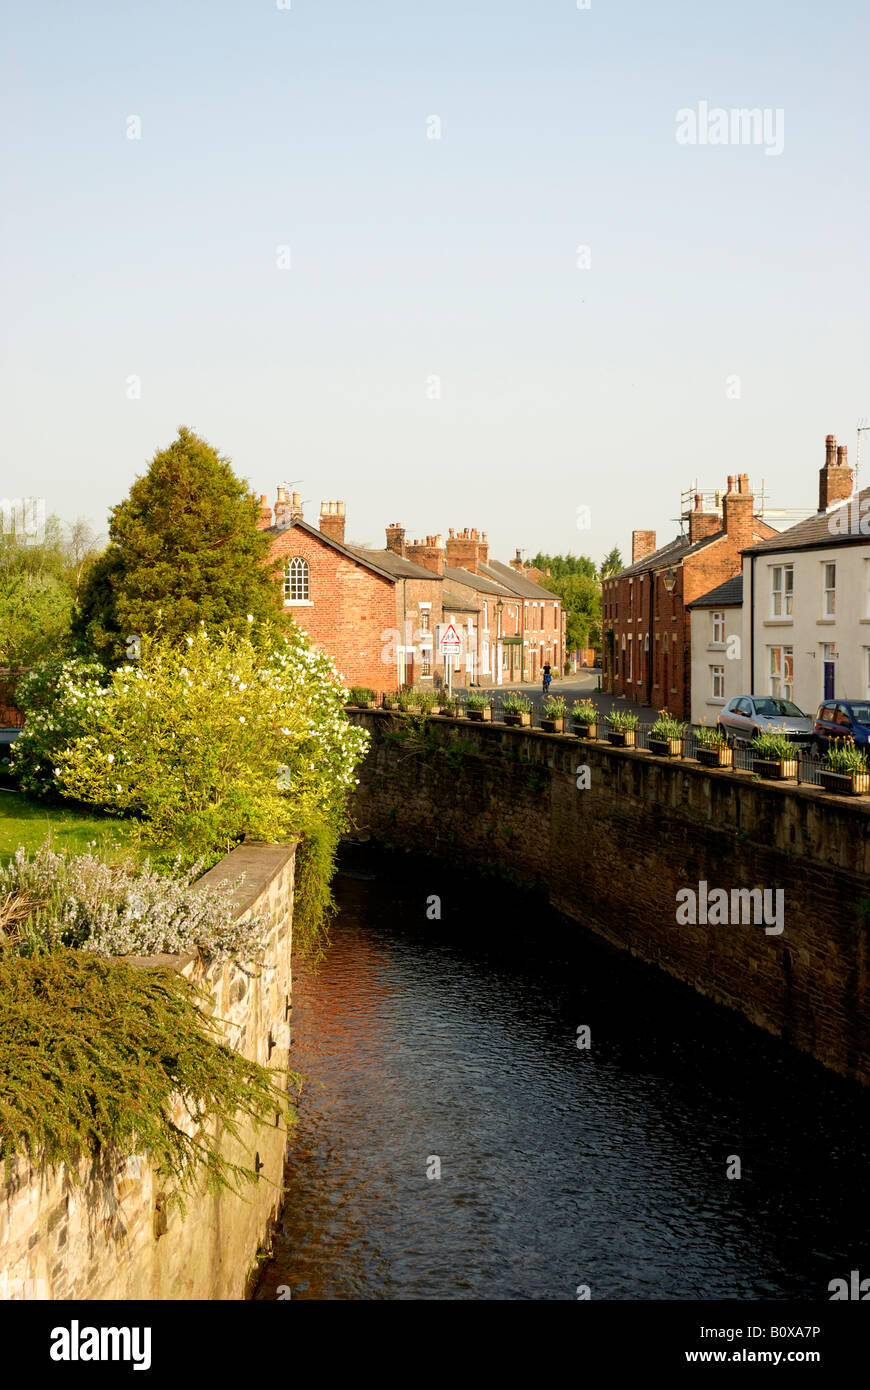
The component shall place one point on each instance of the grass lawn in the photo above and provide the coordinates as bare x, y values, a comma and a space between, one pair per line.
27, 823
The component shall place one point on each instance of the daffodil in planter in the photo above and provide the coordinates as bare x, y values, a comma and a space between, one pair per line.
845, 770
477, 706
774, 756
516, 711
666, 736
713, 748
622, 728
554, 714
584, 716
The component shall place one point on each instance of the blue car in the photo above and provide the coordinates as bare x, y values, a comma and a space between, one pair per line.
840, 719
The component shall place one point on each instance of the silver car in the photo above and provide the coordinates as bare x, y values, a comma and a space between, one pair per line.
748, 715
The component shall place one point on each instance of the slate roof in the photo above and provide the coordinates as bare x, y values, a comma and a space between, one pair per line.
517, 583
350, 552
474, 581
815, 530
675, 551
727, 595
397, 566
452, 603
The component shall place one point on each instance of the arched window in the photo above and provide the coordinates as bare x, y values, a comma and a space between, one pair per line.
296, 587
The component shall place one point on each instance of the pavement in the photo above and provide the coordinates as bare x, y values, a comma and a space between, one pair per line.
576, 686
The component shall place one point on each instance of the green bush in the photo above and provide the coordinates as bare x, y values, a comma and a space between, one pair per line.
59, 700
95, 1054
360, 695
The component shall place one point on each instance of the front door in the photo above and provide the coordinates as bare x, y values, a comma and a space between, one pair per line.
829, 680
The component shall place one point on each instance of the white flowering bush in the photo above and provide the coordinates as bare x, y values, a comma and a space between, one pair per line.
49, 900
59, 700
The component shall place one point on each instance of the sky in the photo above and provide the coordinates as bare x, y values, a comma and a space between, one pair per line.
447, 262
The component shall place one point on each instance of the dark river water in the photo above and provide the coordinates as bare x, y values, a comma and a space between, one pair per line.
456, 1040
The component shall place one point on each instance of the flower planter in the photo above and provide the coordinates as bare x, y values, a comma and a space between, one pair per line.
623, 738
435, 709
780, 770
411, 709
666, 747
846, 783
716, 757
480, 715
518, 721
553, 726
585, 730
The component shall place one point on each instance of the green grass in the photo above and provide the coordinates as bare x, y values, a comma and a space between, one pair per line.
27, 823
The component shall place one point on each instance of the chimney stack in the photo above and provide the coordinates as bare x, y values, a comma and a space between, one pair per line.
429, 553
643, 543
517, 562
264, 520
467, 550
332, 521
835, 479
396, 538
737, 511
702, 523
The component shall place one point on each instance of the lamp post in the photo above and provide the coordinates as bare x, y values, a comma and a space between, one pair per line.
499, 606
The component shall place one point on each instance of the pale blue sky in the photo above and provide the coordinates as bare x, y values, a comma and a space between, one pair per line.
561, 388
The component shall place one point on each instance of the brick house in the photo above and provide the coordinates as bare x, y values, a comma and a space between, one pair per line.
645, 618
376, 612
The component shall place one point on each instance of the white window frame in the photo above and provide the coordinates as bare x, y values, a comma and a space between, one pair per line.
717, 678
777, 665
829, 591
297, 581
781, 591
718, 617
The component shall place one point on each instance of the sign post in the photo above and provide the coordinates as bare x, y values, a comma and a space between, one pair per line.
449, 645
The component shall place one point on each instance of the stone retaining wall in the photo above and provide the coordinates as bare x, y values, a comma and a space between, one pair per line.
614, 855
112, 1237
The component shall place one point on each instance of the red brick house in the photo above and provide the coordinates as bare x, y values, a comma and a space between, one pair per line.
376, 612
645, 621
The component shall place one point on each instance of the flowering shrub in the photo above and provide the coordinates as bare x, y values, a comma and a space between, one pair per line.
584, 712
845, 757
48, 901
666, 726
59, 699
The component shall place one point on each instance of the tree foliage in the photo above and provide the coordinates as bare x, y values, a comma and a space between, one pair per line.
38, 582
184, 549
573, 578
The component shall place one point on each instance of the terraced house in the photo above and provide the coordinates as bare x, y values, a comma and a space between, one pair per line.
377, 612
645, 607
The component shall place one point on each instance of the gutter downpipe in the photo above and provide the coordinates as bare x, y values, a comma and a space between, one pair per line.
752, 625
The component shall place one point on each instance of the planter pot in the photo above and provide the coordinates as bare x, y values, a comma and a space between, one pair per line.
779, 769
518, 721
666, 747
622, 738
412, 709
846, 783
480, 715
553, 726
585, 730
715, 757
436, 709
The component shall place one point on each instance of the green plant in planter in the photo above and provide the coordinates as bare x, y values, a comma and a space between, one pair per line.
845, 757
360, 695
620, 719
554, 707
515, 703
584, 712
773, 748
666, 726
427, 700
705, 737
449, 703
475, 699
409, 699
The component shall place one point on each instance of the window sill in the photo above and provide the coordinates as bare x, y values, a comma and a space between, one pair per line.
778, 622
825, 622
717, 647
298, 603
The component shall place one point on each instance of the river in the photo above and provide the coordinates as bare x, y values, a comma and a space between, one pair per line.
560, 1167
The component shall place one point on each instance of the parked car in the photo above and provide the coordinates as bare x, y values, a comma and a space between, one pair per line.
839, 719
748, 715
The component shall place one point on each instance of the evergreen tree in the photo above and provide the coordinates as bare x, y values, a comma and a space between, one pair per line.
184, 549
612, 563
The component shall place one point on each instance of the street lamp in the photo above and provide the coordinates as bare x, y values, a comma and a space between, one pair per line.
670, 580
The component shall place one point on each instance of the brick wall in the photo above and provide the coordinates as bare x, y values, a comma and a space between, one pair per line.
613, 857
351, 608
99, 1239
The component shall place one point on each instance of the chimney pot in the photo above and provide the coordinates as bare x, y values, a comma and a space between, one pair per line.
830, 451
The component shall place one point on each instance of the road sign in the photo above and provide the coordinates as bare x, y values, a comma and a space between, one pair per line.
449, 640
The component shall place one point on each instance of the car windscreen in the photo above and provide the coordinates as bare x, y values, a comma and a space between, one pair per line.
860, 713
771, 707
